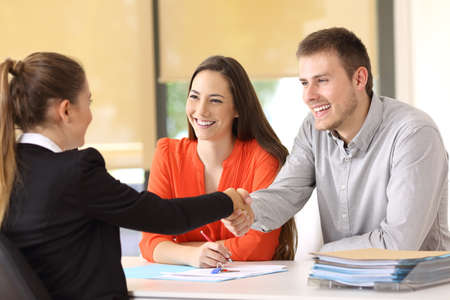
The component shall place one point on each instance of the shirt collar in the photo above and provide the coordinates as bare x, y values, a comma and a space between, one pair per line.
370, 126
40, 140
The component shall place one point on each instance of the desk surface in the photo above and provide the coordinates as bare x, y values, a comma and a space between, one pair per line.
280, 286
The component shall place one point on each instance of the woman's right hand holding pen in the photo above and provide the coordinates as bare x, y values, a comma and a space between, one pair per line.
209, 254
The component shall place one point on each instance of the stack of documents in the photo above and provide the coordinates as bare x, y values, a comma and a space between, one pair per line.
381, 269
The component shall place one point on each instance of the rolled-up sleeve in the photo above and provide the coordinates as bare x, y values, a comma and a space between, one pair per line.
291, 188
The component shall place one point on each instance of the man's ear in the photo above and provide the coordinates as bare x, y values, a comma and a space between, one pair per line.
360, 78
64, 110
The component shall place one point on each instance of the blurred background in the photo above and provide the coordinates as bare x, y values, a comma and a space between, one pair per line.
139, 56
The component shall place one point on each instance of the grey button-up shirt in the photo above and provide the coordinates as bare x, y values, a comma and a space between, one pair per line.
387, 189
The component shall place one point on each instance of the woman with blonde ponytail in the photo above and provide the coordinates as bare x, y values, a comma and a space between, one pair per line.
8, 139
59, 205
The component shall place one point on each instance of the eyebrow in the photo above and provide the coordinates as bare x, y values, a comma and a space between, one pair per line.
211, 95
315, 76
216, 95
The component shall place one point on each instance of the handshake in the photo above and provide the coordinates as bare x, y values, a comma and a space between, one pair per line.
242, 218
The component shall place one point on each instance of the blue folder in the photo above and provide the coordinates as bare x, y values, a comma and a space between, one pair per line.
154, 271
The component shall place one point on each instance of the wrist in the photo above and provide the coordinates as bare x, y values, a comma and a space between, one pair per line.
235, 198
192, 255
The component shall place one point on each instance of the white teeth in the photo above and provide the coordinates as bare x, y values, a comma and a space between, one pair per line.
204, 123
323, 107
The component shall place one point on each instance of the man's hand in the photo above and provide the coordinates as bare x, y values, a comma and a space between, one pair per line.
242, 218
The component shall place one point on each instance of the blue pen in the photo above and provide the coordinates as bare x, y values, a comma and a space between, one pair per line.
220, 269
217, 269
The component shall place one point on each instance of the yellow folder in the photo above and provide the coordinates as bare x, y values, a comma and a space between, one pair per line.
380, 254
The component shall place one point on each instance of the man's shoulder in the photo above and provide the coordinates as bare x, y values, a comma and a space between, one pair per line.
398, 114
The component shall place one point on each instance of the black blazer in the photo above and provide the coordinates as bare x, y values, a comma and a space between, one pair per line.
65, 212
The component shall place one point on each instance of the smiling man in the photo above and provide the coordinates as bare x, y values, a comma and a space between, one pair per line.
379, 165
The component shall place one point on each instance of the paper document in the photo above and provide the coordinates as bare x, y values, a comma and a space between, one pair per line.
186, 273
233, 272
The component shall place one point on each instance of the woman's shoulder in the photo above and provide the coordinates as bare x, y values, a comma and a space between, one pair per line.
66, 167
253, 147
254, 150
173, 146
70, 158
89, 158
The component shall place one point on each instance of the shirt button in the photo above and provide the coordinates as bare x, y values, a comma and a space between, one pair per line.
342, 187
344, 216
347, 158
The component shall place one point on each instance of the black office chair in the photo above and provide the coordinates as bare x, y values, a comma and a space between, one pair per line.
17, 280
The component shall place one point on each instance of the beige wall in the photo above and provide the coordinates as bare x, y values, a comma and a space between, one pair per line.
113, 40
262, 34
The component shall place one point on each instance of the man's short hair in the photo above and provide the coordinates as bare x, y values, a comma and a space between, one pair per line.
349, 48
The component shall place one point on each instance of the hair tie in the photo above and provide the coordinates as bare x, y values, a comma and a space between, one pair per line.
17, 68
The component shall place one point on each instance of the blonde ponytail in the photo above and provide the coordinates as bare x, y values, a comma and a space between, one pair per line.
24, 100
8, 140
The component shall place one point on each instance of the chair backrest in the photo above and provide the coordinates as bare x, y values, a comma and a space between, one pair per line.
17, 280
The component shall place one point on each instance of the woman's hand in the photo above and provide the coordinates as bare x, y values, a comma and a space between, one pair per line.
242, 218
209, 254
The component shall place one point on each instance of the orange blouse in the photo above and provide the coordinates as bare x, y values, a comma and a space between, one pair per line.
178, 172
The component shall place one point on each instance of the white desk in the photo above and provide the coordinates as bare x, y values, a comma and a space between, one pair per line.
279, 286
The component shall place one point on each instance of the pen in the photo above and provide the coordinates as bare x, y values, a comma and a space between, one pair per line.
210, 240
205, 236
220, 269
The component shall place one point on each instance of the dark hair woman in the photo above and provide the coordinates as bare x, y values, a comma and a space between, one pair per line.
230, 144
